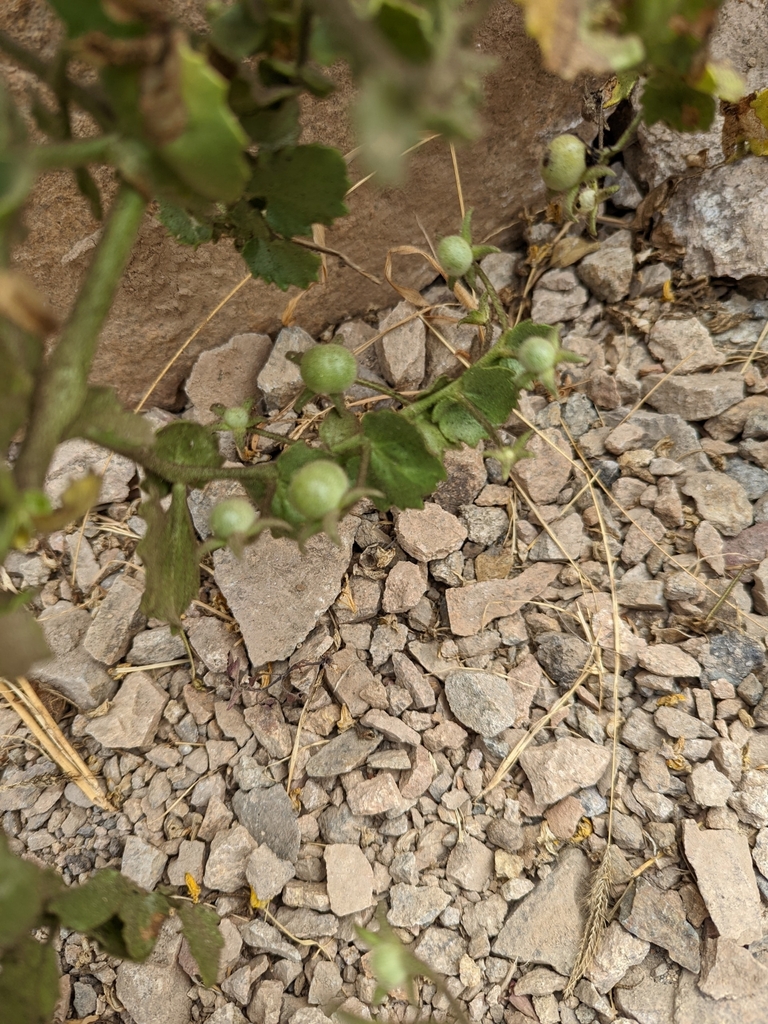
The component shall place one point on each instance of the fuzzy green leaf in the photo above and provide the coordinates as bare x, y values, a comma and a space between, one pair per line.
184, 228
282, 263
104, 420
236, 33
276, 126
29, 983
81, 16
668, 98
21, 644
336, 430
302, 186
201, 930
208, 155
188, 444
457, 423
21, 896
142, 914
408, 28
400, 463
85, 907
169, 552
492, 389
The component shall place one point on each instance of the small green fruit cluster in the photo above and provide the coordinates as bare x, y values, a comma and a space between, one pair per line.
328, 369
231, 517
454, 254
318, 488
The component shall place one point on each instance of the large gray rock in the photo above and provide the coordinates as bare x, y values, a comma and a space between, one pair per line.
269, 816
277, 594
481, 701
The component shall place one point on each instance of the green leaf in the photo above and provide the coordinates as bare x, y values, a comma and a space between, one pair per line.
492, 389
201, 930
183, 226
88, 188
21, 896
208, 155
21, 644
81, 16
408, 28
29, 983
142, 914
188, 444
400, 464
104, 420
282, 263
668, 98
336, 430
237, 34
276, 126
457, 423
84, 907
110, 937
302, 186
169, 553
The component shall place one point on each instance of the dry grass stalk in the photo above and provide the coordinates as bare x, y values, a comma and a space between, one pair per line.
597, 900
31, 710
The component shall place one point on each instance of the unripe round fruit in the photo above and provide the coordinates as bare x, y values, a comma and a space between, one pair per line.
537, 355
328, 369
236, 418
454, 255
317, 488
564, 163
231, 516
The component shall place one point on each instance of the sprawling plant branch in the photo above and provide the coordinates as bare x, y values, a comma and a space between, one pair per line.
62, 386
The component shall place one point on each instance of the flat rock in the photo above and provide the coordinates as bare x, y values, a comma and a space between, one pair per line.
466, 471
482, 702
154, 645
684, 341
728, 971
76, 675
265, 938
668, 660
658, 916
211, 641
266, 873
470, 864
472, 607
562, 656
547, 473
722, 863
343, 754
349, 878
617, 951
76, 459
227, 375
116, 622
142, 863
708, 787
677, 723
608, 272
277, 594
720, 500
650, 1002
698, 396
732, 656
154, 993
280, 380
134, 716
416, 906
441, 949
694, 1007
402, 350
230, 850
547, 926
557, 769
567, 541
405, 585
270, 729
374, 796
429, 533
269, 816
558, 296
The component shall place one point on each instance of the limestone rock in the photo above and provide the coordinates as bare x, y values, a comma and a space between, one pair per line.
227, 375
472, 607
481, 701
557, 769
686, 342
280, 379
349, 879
402, 350
659, 916
76, 458
697, 396
429, 533
277, 594
134, 716
720, 500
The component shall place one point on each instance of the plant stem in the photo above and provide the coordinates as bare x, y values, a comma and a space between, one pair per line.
494, 297
73, 154
63, 384
67, 89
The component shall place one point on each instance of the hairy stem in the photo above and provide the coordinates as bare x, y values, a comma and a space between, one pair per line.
62, 385
494, 297
73, 154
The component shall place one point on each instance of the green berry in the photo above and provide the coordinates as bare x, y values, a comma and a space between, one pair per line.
537, 355
317, 488
232, 516
454, 254
564, 163
328, 369
236, 418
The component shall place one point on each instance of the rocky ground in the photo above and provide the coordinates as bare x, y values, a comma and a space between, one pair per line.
337, 740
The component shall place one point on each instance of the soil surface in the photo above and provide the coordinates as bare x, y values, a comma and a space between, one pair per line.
470, 713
